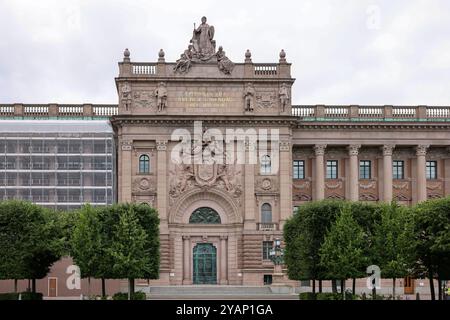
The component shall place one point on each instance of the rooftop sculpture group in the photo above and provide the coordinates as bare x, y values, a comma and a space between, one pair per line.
202, 49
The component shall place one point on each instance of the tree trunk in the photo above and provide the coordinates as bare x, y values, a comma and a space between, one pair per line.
314, 286
439, 288
15, 285
320, 286
334, 286
343, 289
430, 277
354, 286
103, 287
393, 289
130, 288
89, 287
33, 285
374, 292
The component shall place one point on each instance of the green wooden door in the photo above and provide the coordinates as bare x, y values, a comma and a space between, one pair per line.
205, 264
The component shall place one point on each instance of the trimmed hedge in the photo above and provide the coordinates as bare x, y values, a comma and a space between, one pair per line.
9, 296
23, 296
124, 296
308, 296
326, 296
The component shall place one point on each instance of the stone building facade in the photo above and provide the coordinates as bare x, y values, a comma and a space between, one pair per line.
220, 218
367, 153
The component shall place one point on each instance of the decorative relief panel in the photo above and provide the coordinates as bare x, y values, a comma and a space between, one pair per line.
335, 189
144, 99
266, 99
368, 191
302, 153
301, 190
183, 178
435, 190
266, 184
144, 184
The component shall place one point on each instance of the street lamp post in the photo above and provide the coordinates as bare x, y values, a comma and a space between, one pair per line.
276, 255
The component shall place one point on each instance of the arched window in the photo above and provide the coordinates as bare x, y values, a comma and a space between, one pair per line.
205, 215
266, 213
144, 164
266, 164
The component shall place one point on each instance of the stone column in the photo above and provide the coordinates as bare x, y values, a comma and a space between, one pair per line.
353, 151
249, 190
161, 188
187, 260
319, 190
421, 152
223, 260
126, 172
387, 172
285, 182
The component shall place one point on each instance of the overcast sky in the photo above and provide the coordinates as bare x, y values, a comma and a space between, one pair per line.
342, 52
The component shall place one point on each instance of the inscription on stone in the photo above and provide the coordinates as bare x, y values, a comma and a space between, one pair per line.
194, 99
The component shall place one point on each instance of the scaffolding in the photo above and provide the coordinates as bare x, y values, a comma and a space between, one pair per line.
58, 164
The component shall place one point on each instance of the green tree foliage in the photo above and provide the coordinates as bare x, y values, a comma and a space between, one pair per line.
392, 241
304, 234
86, 242
30, 240
342, 252
431, 234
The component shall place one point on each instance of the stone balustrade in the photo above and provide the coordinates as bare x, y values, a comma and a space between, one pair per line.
55, 111
371, 113
246, 70
267, 226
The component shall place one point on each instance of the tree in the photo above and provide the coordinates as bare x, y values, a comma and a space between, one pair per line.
392, 242
342, 252
130, 240
87, 249
304, 234
367, 215
30, 240
128, 249
431, 232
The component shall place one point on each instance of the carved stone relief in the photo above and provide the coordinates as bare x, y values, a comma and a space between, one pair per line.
183, 178
266, 99
266, 184
144, 99
144, 184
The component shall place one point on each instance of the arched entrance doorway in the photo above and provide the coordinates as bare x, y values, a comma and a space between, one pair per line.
205, 264
204, 257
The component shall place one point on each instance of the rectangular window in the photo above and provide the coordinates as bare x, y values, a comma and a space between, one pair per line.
398, 169
431, 170
267, 279
332, 169
365, 171
299, 169
267, 247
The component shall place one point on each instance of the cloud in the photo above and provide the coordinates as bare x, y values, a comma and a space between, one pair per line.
343, 52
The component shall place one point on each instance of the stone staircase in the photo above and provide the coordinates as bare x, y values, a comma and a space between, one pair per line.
211, 292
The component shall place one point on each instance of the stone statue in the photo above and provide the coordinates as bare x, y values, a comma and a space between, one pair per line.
161, 96
225, 64
202, 41
284, 96
249, 97
184, 63
126, 95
